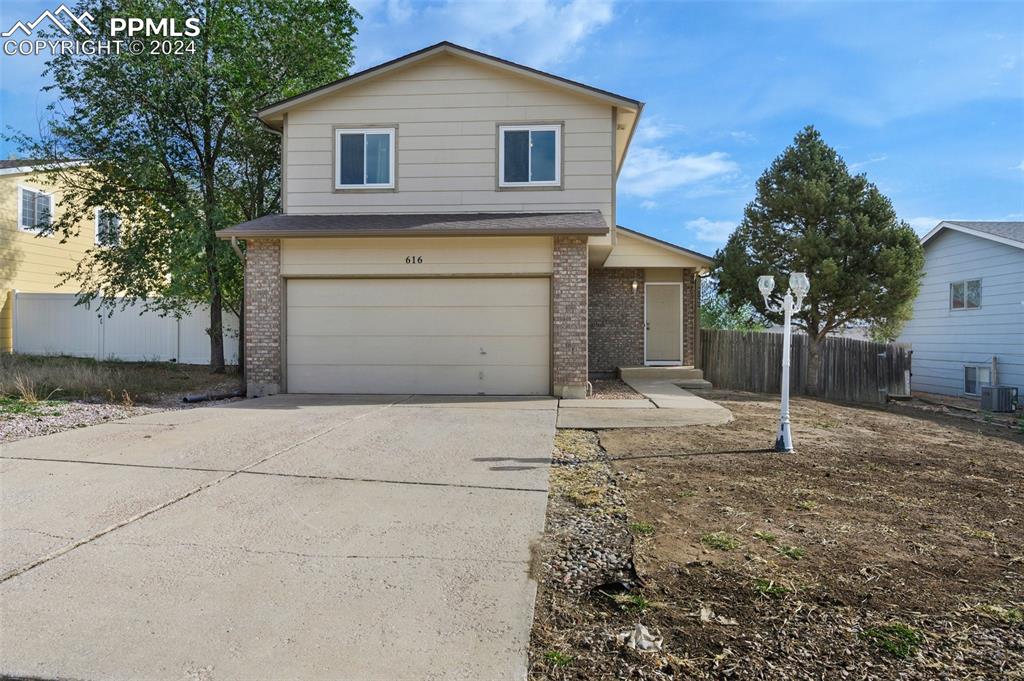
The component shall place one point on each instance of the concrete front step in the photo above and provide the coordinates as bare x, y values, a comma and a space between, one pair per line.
661, 373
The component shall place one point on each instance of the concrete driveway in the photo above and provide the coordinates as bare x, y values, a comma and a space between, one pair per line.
292, 537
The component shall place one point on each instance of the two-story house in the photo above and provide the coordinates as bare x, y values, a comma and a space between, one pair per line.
967, 329
448, 227
29, 261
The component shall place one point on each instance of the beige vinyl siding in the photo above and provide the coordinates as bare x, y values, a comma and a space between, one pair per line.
370, 256
30, 263
446, 111
440, 336
631, 251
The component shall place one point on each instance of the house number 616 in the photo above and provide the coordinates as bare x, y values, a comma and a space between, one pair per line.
413, 259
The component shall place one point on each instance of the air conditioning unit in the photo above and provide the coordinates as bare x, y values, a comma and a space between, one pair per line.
1002, 398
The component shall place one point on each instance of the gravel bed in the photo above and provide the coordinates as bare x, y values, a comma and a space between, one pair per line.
590, 540
53, 417
613, 389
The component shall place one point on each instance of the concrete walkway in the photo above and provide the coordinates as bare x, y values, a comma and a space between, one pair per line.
666, 404
293, 537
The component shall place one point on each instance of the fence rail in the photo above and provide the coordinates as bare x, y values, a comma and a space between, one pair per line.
851, 370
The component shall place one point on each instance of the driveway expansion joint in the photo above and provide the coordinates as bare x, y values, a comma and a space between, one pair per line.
10, 574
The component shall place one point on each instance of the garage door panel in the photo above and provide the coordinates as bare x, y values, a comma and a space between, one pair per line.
417, 321
427, 380
428, 350
432, 336
379, 293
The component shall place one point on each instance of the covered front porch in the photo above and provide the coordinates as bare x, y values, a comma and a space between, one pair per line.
644, 309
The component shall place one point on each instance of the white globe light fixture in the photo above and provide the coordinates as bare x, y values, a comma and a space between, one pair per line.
799, 286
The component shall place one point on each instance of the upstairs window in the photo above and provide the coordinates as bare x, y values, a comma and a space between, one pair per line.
108, 228
364, 158
35, 209
965, 295
530, 155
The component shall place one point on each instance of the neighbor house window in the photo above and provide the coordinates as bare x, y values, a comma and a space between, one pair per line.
108, 228
975, 377
364, 158
530, 155
965, 295
35, 209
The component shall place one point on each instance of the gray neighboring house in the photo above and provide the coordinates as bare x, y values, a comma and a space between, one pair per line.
968, 325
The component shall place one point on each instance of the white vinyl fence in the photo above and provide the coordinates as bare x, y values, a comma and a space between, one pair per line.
51, 324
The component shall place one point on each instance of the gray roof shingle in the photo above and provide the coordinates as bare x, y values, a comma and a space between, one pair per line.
418, 224
1006, 230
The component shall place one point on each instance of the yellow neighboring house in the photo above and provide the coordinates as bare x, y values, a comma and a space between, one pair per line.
29, 262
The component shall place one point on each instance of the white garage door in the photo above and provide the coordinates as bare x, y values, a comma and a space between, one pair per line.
429, 336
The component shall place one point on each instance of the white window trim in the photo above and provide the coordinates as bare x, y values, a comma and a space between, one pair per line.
557, 182
338, 132
35, 190
96, 230
977, 381
964, 282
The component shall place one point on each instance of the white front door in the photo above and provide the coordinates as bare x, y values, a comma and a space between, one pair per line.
663, 317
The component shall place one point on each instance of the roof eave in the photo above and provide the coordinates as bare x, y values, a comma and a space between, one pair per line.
351, 233
706, 259
973, 232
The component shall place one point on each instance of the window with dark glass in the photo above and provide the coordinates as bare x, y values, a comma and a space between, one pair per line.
365, 158
108, 228
529, 155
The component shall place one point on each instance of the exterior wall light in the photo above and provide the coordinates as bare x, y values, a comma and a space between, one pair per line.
799, 285
636, 285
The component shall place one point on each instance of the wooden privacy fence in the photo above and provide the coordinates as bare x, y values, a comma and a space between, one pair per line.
851, 370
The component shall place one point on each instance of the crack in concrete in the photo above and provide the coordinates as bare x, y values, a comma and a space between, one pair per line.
311, 476
31, 531
11, 574
301, 554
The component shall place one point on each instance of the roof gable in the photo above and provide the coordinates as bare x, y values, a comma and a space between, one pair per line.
635, 249
273, 113
1009, 233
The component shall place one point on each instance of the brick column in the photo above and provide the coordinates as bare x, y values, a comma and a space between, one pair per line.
569, 317
691, 319
263, 317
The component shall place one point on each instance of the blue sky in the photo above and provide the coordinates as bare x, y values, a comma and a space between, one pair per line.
927, 98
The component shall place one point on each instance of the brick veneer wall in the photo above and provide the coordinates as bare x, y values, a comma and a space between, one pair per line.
569, 317
616, 326
691, 316
263, 317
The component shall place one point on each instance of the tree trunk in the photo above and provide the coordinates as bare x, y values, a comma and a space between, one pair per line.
216, 307
813, 364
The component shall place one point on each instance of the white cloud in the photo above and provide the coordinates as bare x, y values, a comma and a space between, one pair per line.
1019, 166
877, 158
923, 225
653, 170
647, 204
654, 128
712, 231
520, 31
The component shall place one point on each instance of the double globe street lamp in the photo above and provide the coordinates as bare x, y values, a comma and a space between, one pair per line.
799, 285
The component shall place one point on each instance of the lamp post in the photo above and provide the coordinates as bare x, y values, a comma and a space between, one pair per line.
799, 285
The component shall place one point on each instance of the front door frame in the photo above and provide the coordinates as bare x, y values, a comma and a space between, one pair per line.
663, 363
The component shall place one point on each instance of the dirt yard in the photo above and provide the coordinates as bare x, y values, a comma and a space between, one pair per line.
890, 546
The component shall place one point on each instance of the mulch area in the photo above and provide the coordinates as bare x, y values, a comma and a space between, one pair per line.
890, 545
